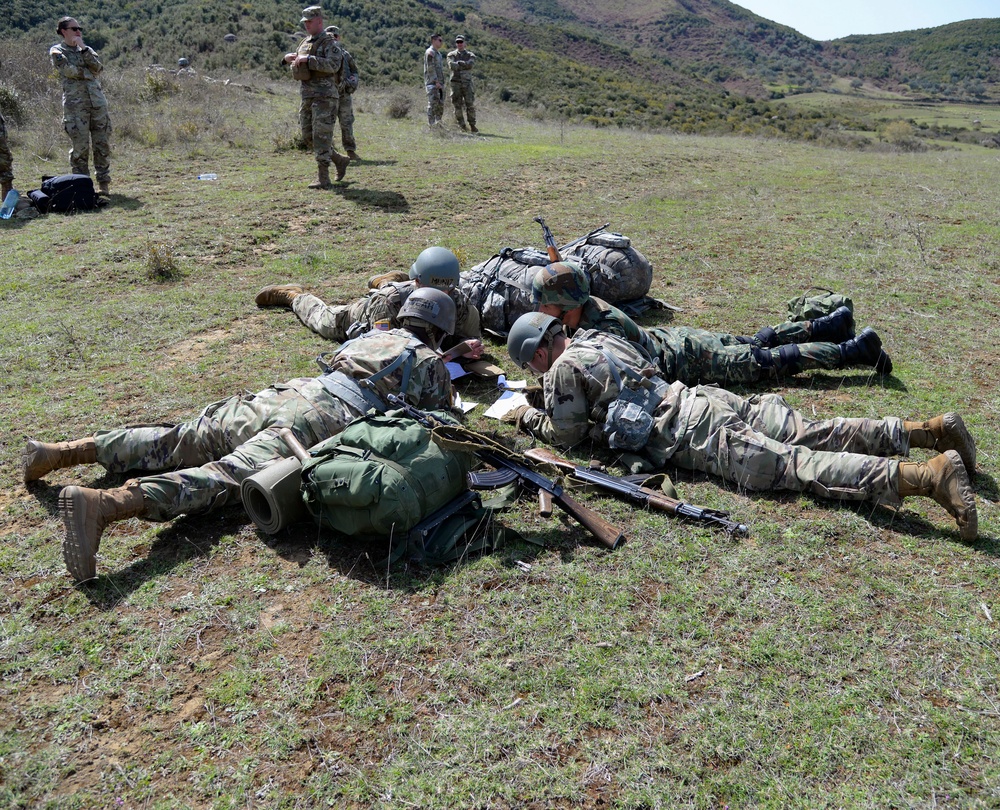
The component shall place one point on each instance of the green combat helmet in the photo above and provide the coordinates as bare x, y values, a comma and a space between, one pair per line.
432, 306
564, 284
436, 267
527, 334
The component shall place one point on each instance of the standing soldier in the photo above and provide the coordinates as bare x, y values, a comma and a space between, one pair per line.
85, 109
598, 386
6, 162
346, 86
463, 93
434, 80
198, 466
316, 64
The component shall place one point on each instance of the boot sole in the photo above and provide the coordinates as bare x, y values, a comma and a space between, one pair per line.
970, 531
963, 444
80, 559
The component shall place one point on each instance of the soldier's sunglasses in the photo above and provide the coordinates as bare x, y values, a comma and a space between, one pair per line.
71, 28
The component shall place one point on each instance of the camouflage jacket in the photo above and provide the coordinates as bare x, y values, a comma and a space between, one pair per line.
433, 67
603, 317
321, 75
385, 302
79, 69
349, 68
579, 387
429, 384
460, 64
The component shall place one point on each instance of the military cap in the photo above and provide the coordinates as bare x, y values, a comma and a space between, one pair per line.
459, 38
311, 13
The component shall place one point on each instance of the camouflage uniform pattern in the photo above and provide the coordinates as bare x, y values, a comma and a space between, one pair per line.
434, 73
85, 109
345, 105
696, 356
758, 443
6, 158
463, 91
320, 98
382, 304
232, 439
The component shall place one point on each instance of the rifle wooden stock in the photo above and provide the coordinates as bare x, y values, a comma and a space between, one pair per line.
590, 520
550, 243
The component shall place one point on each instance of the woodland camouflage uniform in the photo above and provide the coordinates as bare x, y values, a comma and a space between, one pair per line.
758, 443
319, 94
6, 159
85, 109
232, 439
696, 356
382, 304
463, 91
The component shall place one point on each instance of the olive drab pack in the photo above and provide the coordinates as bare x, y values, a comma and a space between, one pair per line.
381, 476
815, 303
500, 288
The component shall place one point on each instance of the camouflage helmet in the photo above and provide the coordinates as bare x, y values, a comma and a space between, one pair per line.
527, 333
564, 284
431, 306
436, 267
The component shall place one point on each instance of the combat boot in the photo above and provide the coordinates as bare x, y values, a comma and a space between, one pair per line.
836, 327
5, 188
944, 479
353, 155
942, 433
865, 350
278, 295
85, 513
385, 278
41, 458
472, 127
104, 188
323, 171
341, 163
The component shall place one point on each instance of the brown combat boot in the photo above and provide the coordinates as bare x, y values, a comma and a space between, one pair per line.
85, 513
341, 163
323, 171
278, 295
945, 432
944, 479
41, 458
353, 155
104, 188
5, 189
385, 278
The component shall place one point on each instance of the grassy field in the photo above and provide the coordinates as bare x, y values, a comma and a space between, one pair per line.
839, 656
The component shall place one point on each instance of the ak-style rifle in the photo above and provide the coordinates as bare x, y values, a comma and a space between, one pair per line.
606, 533
637, 494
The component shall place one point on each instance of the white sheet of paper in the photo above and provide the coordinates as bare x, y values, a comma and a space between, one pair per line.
507, 402
455, 370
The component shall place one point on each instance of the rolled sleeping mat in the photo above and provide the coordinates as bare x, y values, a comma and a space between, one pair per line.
273, 496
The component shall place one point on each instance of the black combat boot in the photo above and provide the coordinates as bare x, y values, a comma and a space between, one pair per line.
865, 350
836, 327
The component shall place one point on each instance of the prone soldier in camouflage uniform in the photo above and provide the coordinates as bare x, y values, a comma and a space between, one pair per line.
6, 162
463, 91
759, 443
696, 356
434, 80
207, 458
345, 104
435, 267
317, 65
85, 109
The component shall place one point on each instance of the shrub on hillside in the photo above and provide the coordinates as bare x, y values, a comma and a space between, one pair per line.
399, 106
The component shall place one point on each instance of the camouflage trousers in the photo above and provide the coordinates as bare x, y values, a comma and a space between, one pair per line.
6, 158
86, 125
699, 357
345, 115
463, 97
761, 443
435, 103
316, 117
203, 462
331, 322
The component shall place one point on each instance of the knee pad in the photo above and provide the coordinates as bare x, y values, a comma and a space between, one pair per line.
789, 359
766, 337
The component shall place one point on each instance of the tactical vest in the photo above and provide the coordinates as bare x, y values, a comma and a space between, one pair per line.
308, 48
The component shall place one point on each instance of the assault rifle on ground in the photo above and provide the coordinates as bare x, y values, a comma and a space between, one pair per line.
607, 534
638, 494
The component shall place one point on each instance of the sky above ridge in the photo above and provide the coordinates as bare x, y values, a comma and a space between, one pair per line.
832, 19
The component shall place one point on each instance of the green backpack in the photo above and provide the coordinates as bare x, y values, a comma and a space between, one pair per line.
381, 476
815, 303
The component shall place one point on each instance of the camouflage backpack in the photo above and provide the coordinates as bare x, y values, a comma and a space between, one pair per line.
815, 303
500, 288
